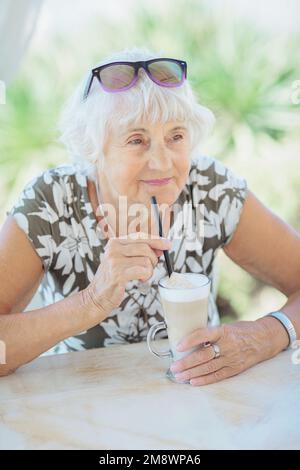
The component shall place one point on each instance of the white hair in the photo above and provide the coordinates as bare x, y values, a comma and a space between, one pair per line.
84, 124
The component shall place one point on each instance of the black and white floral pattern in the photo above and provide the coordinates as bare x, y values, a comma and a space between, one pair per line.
55, 212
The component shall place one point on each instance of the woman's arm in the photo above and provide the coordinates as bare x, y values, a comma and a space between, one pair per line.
21, 269
269, 249
28, 335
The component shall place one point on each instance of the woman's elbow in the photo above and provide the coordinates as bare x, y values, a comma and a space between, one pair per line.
6, 370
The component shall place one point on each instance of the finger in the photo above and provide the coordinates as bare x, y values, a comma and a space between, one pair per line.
137, 272
139, 249
138, 261
158, 252
200, 356
159, 243
202, 369
200, 336
215, 377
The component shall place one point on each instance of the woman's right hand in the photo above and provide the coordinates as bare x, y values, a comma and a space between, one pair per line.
125, 259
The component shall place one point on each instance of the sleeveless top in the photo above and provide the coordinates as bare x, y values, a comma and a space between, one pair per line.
56, 214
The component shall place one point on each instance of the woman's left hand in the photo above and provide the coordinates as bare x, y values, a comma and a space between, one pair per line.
241, 345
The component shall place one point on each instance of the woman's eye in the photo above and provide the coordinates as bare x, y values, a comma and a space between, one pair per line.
139, 141
134, 141
176, 137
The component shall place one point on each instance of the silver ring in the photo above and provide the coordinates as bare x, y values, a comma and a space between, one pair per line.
216, 349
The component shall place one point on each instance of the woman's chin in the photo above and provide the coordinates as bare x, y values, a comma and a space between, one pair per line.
165, 194
162, 197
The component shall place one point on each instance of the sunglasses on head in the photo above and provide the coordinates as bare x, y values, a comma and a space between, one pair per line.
120, 76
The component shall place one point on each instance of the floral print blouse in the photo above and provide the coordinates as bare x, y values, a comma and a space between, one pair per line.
56, 214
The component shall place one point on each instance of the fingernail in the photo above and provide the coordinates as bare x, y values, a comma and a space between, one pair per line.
179, 347
180, 376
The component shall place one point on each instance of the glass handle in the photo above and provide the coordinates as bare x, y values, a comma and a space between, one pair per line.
151, 337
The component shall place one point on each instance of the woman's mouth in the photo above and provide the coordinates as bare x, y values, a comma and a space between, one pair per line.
157, 182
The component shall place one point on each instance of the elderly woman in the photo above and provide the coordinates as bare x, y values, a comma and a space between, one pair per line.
134, 129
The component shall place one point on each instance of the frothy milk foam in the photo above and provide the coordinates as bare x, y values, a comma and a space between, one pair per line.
184, 298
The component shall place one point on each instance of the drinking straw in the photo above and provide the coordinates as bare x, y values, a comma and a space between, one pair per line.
160, 230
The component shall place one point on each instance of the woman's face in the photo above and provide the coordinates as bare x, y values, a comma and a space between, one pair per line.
147, 160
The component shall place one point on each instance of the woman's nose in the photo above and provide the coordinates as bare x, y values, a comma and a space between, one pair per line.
160, 159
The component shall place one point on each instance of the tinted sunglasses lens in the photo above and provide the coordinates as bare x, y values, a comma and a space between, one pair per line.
170, 73
116, 77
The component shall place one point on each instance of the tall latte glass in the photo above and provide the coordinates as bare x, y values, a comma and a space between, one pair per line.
184, 298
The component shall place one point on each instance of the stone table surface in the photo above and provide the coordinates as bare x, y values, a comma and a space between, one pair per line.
119, 398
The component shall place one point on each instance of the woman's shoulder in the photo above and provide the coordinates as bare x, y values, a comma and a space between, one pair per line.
48, 205
208, 173
54, 186
209, 165
221, 193
203, 162
52, 192
60, 174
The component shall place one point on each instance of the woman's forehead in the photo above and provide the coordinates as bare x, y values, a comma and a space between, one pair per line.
148, 127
